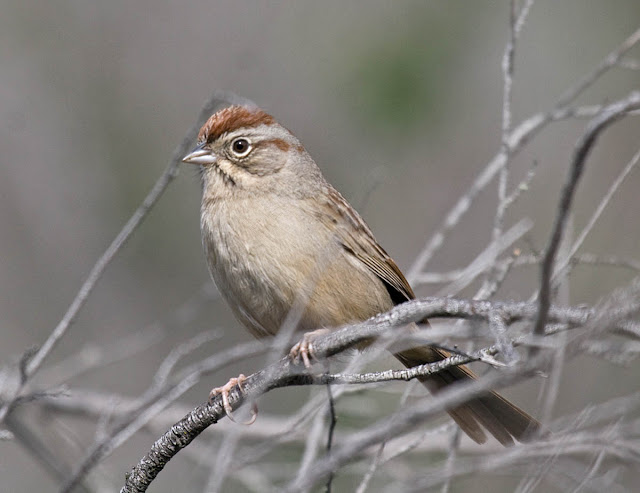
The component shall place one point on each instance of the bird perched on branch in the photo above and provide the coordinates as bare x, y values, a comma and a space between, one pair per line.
284, 247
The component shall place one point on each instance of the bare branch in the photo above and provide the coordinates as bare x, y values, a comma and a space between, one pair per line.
516, 22
609, 61
284, 373
486, 259
517, 138
609, 115
598, 212
629, 64
153, 404
215, 101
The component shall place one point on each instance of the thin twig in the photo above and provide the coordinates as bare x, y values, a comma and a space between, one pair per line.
216, 99
598, 212
516, 22
486, 259
378, 456
283, 373
629, 64
154, 404
332, 427
611, 114
164, 370
223, 461
609, 61
454, 445
92, 356
518, 137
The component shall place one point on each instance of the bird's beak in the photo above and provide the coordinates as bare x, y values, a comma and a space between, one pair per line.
200, 156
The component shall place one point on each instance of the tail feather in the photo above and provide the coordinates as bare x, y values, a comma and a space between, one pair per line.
504, 420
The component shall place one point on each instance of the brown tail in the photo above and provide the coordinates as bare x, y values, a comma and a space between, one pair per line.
493, 412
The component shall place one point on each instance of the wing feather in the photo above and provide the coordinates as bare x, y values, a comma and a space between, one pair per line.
357, 239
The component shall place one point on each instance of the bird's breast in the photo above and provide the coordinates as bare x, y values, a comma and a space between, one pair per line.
276, 262
260, 255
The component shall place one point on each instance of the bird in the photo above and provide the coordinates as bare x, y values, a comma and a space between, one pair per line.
278, 238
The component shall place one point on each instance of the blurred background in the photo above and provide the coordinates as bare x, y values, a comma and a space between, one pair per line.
400, 103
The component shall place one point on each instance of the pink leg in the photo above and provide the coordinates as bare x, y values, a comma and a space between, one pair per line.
304, 349
224, 391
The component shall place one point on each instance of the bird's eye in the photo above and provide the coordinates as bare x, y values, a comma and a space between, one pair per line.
241, 147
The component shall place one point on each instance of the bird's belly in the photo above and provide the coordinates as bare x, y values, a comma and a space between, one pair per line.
280, 267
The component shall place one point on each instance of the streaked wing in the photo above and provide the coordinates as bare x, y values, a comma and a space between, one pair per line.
357, 239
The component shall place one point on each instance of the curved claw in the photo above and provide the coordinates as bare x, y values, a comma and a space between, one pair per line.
224, 391
304, 348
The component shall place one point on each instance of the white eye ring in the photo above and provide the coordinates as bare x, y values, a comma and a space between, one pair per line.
241, 146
